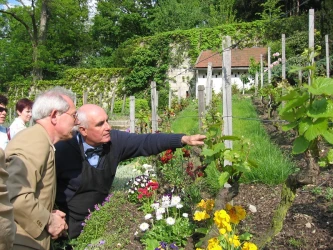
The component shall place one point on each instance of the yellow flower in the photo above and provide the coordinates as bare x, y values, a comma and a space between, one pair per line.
214, 244
200, 215
234, 240
206, 205
210, 205
222, 231
249, 246
221, 219
237, 213
202, 204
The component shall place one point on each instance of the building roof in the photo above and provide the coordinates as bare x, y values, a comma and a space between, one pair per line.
239, 57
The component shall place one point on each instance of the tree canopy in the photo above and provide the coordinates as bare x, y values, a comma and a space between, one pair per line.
41, 39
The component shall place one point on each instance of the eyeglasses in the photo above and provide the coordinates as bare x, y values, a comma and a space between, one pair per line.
72, 115
3, 109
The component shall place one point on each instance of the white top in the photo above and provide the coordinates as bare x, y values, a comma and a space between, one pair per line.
3, 137
17, 125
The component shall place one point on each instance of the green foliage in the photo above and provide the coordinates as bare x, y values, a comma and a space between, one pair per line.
174, 14
92, 81
308, 109
317, 190
140, 104
271, 10
216, 154
329, 194
96, 231
117, 21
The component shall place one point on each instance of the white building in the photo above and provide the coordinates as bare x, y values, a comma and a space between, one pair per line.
240, 62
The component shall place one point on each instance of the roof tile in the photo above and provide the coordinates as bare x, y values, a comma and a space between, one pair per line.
239, 57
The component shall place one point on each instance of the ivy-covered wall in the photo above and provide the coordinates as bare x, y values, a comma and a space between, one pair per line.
104, 81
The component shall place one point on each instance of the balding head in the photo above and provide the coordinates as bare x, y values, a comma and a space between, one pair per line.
86, 112
94, 126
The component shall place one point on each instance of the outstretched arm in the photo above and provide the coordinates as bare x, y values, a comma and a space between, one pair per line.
193, 140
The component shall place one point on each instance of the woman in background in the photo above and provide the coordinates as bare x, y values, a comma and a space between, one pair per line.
23, 109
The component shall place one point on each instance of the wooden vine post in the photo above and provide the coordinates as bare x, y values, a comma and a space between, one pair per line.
311, 41
124, 104
327, 57
132, 114
154, 124
283, 56
226, 92
201, 104
209, 85
261, 72
269, 65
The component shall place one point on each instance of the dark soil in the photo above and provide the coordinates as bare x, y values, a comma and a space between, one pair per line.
309, 221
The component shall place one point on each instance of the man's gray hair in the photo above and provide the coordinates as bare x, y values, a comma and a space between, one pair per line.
50, 100
82, 117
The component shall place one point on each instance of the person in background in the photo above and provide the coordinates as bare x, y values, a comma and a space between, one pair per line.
23, 110
3, 130
7, 225
30, 159
86, 165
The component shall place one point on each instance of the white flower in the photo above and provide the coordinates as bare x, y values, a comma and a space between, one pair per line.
136, 183
160, 210
148, 216
143, 185
136, 233
144, 226
165, 201
147, 166
170, 221
179, 206
175, 200
185, 215
159, 216
155, 205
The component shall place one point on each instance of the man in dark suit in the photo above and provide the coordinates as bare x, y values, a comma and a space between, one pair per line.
86, 165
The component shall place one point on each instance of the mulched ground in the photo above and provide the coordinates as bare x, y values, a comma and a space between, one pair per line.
309, 221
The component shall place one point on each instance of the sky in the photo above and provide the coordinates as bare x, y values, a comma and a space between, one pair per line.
92, 4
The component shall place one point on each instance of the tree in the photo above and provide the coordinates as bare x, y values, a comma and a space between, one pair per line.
177, 14
53, 34
34, 18
117, 21
271, 10
220, 12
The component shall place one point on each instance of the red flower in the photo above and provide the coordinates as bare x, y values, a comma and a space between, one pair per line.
186, 153
153, 185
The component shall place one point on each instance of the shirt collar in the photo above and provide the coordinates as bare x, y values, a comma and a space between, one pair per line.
84, 144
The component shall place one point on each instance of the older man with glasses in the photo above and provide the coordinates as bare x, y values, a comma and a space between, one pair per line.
3, 113
32, 174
